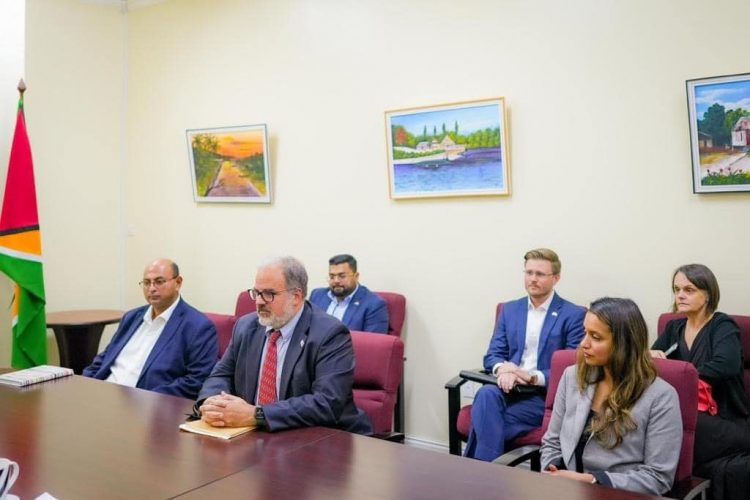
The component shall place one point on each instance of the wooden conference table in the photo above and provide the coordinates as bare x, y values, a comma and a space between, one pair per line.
83, 438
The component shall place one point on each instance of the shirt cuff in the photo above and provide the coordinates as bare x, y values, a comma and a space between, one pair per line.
494, 368
540, 380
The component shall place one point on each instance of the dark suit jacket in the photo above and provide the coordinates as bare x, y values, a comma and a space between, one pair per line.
562, 329
316, 379
367, 312
180, 360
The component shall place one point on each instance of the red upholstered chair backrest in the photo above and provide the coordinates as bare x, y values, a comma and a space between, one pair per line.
377, 375
245, 304
224, 324
742, 321
396, 311
684, 378
560, 361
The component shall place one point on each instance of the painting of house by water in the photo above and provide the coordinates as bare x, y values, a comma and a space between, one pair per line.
230, 164
719, 114
457, 149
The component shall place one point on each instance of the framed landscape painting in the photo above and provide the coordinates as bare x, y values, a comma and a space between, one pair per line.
719, 114
457, 149
230, 164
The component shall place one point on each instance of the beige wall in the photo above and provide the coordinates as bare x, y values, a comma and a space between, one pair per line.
599, 149
12, 14
74, 113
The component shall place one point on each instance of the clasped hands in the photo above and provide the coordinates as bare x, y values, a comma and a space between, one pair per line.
225, 410
509, 374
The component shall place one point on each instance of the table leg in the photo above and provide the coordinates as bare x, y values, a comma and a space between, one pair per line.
78, 345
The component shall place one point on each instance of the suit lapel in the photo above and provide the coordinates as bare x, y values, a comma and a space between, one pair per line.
353, 306
294, 351
170, 329
523, 315
134, 325
549, 322
583, 407
255, 355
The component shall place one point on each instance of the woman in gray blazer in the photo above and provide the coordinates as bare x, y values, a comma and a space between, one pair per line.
614, 422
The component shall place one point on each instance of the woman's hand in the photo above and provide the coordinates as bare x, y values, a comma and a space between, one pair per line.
583, 477
658, 354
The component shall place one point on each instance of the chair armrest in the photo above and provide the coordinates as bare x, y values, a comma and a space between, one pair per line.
454, 402
479, 375
394, 437
520, 455
687, 489
455, 383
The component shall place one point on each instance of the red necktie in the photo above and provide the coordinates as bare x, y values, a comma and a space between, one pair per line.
268, 376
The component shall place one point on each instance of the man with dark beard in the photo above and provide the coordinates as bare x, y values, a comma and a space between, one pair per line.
288, 365
352, 303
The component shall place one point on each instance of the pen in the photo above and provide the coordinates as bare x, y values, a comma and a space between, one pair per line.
671, 349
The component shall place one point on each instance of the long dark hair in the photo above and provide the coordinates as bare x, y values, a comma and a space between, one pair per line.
630, 364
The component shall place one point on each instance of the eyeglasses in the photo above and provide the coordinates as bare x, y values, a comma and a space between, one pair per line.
339, 276
536, 274
267, 295
158, 282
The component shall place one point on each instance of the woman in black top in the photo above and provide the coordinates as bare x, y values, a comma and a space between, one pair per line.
710, 340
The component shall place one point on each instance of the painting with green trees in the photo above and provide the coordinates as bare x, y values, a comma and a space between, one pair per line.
230, 164
719, 111
457, 149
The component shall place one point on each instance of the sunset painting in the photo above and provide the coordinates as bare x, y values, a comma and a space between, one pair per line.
230, 164
458, 149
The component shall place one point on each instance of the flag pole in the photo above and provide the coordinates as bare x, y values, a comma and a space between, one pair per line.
21, 250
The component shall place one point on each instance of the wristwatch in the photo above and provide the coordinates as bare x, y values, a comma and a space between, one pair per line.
260, 416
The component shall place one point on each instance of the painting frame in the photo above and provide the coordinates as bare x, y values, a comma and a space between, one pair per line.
468, 157
242, 170
719, 124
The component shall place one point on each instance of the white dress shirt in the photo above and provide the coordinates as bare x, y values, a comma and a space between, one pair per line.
534, 323
126, 370
337, 308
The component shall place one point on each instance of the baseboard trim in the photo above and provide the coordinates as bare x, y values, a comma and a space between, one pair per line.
426, 444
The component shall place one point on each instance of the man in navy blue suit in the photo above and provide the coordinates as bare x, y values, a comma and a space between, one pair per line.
526, 334
288, 365
166, 346
345, 299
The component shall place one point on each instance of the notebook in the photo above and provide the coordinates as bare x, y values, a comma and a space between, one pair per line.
35, 375
201, 427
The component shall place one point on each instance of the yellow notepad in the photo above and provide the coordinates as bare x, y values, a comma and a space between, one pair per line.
201, 427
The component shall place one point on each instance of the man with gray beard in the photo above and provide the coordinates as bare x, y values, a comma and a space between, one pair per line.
288, 364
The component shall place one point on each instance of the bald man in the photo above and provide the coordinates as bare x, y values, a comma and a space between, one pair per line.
165, 346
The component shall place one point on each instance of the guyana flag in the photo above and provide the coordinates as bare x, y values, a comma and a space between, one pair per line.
21, 252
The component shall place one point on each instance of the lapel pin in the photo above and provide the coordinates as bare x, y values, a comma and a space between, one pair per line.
554, 313
356, 303
302, 343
